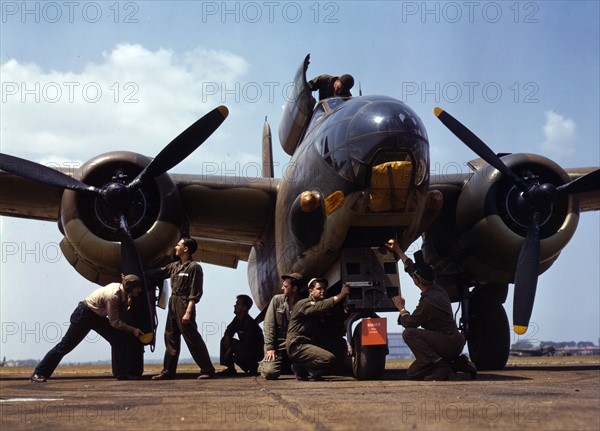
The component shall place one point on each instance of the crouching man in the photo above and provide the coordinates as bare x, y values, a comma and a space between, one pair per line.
307, 329
246, 350
430, 330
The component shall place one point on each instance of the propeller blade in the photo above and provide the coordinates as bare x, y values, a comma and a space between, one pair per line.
588, 183
131, 264
526, 276
184, 144
42, 174
477, 145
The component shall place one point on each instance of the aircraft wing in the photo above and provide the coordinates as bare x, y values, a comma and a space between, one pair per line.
589, 201
20, 197
226, 215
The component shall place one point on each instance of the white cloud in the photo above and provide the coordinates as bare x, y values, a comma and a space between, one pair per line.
135, 99
560, 135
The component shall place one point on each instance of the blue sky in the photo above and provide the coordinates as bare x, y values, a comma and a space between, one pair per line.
82, 79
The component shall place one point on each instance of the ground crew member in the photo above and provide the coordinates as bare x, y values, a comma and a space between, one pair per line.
330, 86
247, 349
306, 329
277, 317
186, 290
430, 331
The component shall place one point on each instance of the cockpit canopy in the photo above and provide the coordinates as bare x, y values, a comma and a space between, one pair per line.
352, 134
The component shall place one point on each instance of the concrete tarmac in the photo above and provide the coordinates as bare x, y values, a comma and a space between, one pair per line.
547, 393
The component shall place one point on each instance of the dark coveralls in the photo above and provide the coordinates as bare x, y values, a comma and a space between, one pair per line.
324, 83
186, 285
439, 337
247, 349
309, 338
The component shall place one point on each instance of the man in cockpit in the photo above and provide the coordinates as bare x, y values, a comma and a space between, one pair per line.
330, 86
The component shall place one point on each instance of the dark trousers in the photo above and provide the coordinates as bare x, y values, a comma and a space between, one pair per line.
232, 353
83, 320
175, 329
429, 347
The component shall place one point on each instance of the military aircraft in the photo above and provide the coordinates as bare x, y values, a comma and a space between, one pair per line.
546, 350
358, 176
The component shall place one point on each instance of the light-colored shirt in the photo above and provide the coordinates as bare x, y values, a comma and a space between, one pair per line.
105, 302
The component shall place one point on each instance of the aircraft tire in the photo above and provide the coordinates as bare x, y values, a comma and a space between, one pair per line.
368, 362
489, 336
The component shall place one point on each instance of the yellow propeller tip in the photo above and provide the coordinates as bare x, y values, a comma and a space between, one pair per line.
437, 111
519, 330
223, 110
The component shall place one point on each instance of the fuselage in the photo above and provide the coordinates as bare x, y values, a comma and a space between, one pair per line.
367, 159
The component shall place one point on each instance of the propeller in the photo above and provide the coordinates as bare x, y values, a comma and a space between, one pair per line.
538, 199
117, 194
42, 174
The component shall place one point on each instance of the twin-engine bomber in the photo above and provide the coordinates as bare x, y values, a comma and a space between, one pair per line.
359, 175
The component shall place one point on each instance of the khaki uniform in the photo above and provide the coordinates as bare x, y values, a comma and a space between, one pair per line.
186, 285
308, 336
275, 331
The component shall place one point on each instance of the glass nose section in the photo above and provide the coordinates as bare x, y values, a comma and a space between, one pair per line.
385, 116
367, 132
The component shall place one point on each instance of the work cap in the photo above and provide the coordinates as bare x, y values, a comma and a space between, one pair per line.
422, 269
131, 280
347, 81
294, 276
314, 281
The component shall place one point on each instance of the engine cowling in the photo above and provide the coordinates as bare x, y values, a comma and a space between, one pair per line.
491, 220
90, 226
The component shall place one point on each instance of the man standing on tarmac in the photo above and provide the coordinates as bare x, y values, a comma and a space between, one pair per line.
306, 332
438, 343
276, 360
186, 287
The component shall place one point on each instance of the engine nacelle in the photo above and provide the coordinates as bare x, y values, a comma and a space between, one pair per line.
155, 218
491, 221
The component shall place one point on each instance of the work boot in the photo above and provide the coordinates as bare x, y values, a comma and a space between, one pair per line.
163, 376
441, 372
463, 364
227, 372
207, 375
300, 373
37, 378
